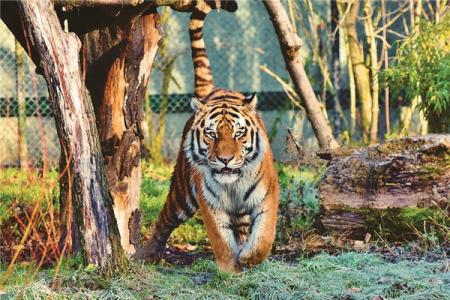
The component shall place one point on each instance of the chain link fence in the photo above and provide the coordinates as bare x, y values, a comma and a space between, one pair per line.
238, 44
27, 132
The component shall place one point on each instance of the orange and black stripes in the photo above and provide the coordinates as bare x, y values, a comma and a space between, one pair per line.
224, 168
204, 82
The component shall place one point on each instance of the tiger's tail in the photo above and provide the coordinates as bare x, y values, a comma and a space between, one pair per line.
204, 82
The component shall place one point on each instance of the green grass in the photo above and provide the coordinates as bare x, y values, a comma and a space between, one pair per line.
346, 276
19, 187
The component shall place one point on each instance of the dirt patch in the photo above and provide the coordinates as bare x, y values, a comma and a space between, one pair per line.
392, 254
177, 257
396, 254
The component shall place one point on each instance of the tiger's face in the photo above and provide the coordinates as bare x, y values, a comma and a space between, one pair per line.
225, 139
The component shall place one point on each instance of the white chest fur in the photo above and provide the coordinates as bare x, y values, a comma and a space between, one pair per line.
240, 196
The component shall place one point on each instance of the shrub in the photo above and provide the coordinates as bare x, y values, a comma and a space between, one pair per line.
422, 68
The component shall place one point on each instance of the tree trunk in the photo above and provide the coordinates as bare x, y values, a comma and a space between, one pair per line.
84, 182
290, 45
351, 81
408, 173
385, 58
336, 73
406, 116
360, 71
373, 70
117, 60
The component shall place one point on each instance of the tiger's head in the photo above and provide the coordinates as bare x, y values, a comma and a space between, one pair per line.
225, 138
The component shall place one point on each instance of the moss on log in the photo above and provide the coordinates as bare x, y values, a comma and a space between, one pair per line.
360, 187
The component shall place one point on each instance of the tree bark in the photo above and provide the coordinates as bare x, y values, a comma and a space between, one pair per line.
360, 71
407, 173
373, 70
290, 45
84, 183
386, 66
351, 80
336, 74
406, 116
98, 2
117, 61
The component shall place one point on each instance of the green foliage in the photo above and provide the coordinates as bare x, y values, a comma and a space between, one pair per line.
422, 68
154, 189
22, 193
299, 201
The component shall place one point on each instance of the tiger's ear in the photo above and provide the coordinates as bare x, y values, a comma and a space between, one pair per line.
197, 104
251, 101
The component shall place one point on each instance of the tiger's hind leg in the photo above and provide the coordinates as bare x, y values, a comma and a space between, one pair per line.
179, 207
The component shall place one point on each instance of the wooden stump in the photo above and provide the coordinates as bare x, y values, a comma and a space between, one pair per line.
407, 173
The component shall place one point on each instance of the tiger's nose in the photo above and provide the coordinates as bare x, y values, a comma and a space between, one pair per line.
225, 159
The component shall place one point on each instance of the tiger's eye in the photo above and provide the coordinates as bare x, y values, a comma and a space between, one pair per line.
239, 133
211, 134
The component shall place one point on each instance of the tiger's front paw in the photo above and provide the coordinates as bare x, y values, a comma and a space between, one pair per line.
244, 257
252, 256
249, 257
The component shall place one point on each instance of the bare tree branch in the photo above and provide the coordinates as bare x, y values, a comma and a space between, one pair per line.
290, 45
178, 5
78, 3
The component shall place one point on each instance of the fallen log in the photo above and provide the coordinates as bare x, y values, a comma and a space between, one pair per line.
359, 186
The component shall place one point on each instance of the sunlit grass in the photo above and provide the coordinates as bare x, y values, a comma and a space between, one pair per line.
346, 276
24, 188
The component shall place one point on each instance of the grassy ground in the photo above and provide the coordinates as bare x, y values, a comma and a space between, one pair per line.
387, 272
346, 276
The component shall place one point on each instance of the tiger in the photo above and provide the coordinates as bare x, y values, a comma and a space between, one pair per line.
224, 170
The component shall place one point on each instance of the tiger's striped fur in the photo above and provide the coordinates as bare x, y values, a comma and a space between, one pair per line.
224, 169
